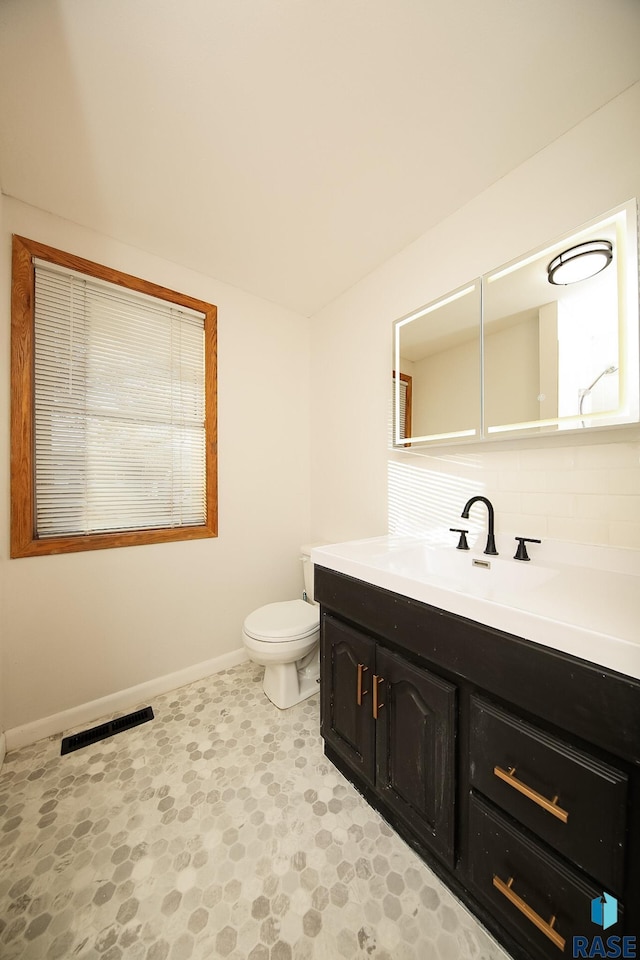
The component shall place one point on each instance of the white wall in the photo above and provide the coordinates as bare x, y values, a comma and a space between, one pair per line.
446, 390
83, 626
512, 378
585, 489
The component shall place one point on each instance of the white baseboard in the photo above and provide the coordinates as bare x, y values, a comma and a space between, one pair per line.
3, 748
115, 702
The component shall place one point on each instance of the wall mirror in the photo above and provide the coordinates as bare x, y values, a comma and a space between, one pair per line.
560, 332
437, 370
546, 343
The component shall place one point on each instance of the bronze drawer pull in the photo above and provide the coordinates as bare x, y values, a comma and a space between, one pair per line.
360, 693
376, 705
551, 806
524, 908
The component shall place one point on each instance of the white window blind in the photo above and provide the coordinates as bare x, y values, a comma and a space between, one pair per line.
402, 419
119, 408
403, 409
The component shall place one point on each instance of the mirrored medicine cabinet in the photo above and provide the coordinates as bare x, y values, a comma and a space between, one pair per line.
544, 344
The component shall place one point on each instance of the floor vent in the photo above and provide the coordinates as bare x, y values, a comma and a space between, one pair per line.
84, 739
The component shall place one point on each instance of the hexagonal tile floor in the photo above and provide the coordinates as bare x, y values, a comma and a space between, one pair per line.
218, 829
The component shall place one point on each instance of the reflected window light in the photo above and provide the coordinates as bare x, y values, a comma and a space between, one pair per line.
424, 502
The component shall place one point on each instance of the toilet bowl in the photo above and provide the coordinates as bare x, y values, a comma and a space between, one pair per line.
284, 638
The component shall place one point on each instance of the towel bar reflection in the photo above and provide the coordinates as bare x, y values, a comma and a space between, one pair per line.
360, 693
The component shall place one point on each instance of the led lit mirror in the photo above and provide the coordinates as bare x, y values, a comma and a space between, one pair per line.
437, 369
546, 343
560, 332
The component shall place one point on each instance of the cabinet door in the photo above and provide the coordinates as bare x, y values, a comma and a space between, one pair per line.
347, 673
415, 744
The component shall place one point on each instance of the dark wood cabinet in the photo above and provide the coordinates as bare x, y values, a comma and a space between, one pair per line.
394, 724
348, 659
567, 797
537, 897
415, 749
513, 769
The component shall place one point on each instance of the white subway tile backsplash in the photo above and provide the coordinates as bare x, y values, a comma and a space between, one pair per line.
506, 501
607, 507
624, 480
579, 530
548, 504
524, 480
604, 455
520, 525
624, 534
617, 480
501, 461
585, 492
588, 506
548, 458
607, 481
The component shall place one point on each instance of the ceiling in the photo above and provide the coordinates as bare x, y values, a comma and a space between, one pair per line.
288, 147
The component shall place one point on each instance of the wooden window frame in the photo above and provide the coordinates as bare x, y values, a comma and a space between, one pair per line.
24, 541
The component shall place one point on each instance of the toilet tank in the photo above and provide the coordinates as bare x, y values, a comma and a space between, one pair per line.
307, 568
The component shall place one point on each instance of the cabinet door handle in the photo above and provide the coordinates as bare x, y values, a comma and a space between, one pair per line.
524, 908
360, 693
376, 704
551, 806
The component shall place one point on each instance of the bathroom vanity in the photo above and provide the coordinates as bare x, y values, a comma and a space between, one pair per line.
511, 766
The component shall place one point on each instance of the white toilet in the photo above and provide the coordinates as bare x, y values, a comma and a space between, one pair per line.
285, 639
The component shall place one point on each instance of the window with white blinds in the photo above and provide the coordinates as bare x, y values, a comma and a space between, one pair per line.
402, 418
119, 408
118, 412
401, 424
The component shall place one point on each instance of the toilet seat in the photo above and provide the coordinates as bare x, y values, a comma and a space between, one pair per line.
280, 622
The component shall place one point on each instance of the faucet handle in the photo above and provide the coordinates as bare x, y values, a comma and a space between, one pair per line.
462, 542
521, 552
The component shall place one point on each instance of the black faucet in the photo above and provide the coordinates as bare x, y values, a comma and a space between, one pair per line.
491, 543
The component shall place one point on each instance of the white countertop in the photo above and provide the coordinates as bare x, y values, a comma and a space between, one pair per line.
580, 599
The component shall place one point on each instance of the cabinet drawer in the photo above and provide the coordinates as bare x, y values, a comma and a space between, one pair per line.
571, 800
532, 894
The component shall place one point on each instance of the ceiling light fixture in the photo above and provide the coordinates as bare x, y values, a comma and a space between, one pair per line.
580, 262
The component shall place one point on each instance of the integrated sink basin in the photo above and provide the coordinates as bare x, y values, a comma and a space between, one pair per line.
487, 576
581, 599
